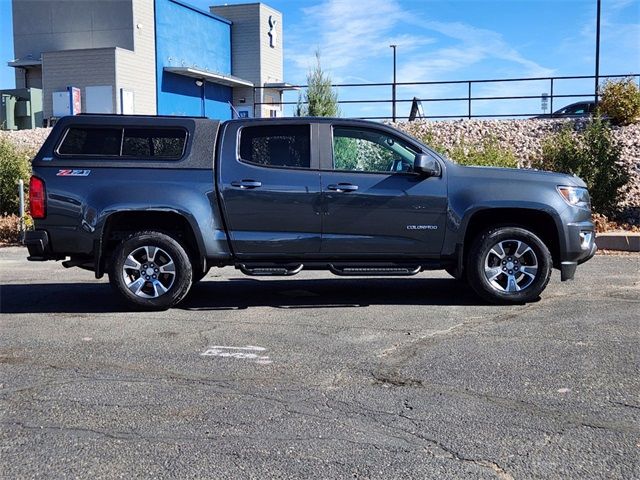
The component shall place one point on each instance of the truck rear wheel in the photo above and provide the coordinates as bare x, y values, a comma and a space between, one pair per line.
508, 265
151, 270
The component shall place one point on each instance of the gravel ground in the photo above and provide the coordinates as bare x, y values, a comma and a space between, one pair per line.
329, 378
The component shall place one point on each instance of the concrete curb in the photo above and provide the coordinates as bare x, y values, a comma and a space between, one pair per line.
625, 241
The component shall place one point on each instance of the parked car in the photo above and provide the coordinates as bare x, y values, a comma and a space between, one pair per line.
155, 202
575, 110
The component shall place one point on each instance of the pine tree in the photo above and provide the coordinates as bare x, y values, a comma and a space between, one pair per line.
320, 100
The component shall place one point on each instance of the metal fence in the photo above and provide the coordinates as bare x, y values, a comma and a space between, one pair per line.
470, 97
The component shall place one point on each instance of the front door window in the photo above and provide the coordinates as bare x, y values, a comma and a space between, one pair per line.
364, 150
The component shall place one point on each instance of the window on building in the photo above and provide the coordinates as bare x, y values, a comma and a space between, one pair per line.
275, 146
368, 150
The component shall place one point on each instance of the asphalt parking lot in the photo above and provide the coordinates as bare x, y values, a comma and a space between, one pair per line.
319, 377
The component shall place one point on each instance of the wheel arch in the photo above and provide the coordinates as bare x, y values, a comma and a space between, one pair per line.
118, 225
541, 223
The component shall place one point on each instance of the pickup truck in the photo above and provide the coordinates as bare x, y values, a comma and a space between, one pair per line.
155, 202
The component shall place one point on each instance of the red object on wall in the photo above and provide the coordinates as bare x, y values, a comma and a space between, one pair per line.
76, 100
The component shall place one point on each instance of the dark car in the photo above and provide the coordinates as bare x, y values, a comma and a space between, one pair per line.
575, 110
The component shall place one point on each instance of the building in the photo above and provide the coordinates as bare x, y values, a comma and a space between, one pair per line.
149, 57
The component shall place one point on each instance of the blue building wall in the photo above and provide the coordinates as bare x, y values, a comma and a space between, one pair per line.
188, 37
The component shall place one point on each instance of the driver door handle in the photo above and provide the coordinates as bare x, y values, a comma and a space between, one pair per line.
342, 187
246, 184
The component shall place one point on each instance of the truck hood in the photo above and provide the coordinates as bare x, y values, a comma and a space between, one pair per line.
516, 175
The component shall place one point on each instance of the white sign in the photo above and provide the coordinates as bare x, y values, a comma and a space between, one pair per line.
544, 101
126, 102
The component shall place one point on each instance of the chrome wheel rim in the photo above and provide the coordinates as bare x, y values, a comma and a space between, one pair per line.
510, 266
149, 272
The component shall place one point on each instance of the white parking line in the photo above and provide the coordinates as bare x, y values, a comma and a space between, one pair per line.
240, 353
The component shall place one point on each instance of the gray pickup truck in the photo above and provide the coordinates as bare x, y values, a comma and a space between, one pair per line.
154, 202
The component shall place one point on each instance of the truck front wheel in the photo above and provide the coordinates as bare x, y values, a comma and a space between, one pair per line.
151, 270
508, 265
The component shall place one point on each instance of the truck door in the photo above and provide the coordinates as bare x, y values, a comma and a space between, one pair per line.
270, 188
374, 204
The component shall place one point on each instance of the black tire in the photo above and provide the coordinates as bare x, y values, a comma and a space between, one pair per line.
151, 271
519, 276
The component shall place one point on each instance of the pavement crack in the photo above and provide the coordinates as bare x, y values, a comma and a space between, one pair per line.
624, 404
76, 430
448, 452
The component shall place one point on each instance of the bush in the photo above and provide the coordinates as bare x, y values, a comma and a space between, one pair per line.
15, 164
9, 229
488, 154
620, 101
592, 155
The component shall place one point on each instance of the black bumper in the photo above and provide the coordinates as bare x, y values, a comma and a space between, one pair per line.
568, 269
37, 242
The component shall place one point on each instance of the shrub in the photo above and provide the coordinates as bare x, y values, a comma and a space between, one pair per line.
620, 101
9, 229
488, 154
428, 138
592, 155
14, 165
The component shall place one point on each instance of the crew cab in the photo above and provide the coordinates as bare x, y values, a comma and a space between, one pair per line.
155, 202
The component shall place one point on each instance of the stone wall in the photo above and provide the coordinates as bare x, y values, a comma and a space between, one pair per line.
27, 139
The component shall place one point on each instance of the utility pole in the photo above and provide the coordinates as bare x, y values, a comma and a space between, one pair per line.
393, 87
597, 80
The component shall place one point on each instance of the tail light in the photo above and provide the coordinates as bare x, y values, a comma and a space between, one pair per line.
37, 198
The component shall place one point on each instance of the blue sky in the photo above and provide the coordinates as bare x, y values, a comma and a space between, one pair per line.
445, 40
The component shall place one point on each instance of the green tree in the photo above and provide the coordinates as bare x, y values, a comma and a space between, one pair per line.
319, 100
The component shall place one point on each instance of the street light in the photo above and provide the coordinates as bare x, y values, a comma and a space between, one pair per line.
597, 51
393, 87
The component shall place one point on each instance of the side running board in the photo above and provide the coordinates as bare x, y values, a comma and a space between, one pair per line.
378, 271
269, 270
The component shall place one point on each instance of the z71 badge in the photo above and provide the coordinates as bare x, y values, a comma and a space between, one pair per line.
73, 173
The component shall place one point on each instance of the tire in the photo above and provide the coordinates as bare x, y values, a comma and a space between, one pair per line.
508, 265
151, 271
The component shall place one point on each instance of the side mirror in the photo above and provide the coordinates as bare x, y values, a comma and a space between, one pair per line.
426, 165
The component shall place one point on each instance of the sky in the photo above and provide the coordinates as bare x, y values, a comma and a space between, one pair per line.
439, 40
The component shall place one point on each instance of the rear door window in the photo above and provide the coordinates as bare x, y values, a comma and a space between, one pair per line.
276, 146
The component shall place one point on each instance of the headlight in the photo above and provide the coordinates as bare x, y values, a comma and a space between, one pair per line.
576, 196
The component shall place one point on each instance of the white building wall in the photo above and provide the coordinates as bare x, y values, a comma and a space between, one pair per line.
252, 57
136, 70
